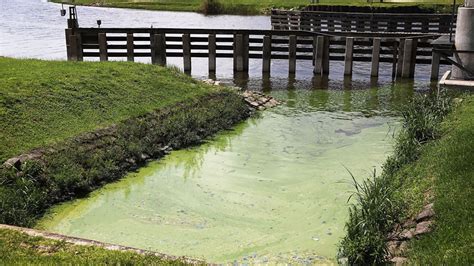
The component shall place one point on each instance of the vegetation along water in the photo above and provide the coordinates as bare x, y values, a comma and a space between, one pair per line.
248, 7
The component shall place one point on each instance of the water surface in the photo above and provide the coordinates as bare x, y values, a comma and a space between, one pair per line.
274, 189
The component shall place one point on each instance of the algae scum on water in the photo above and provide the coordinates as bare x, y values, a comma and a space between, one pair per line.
274, 189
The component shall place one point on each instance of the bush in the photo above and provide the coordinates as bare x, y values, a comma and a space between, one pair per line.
211, 7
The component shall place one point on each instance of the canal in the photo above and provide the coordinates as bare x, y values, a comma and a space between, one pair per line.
273, 189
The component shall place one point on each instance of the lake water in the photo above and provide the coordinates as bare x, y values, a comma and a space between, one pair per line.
272, 190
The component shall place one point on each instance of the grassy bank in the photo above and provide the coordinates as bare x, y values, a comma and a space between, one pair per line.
98, 121
432, 162
246, 7
18, 248
43, 102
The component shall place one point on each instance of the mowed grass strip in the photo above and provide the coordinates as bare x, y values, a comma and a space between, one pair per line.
45, 102
17, 248
245, 6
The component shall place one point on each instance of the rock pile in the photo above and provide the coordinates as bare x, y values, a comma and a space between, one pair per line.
258, 100
399, 238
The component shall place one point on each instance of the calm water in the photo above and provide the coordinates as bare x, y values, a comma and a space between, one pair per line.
273, 189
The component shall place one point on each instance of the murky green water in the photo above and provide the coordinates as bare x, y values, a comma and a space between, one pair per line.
272, 190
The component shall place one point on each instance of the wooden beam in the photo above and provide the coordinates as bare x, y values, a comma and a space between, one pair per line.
130, 47
103, 47
186, 52
212, 53
292, 54
349, 56
374, 72
266, 54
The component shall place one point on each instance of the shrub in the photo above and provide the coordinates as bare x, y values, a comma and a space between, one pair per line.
211, 7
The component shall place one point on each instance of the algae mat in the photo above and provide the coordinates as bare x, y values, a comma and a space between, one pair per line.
273, 190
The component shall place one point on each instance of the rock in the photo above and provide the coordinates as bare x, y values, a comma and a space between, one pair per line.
403, 247
426, 213
13, 162
407, 234
409, 223
392, 247
18, 161
423, 227
399, 260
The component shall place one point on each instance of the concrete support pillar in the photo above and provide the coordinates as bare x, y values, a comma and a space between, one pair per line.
464, 41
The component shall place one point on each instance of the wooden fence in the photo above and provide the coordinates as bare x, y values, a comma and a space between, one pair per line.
361, 22
403, 53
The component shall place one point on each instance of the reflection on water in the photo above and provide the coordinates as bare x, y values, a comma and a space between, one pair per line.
273, 190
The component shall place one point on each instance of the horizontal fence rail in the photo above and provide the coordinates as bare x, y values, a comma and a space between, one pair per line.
320, 21
403, 52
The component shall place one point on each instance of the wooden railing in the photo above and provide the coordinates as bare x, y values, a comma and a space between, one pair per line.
361, 22
403, 52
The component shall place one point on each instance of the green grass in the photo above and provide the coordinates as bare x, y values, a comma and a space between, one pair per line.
18, 248
44, 102
432, 162
445, 171
242, 6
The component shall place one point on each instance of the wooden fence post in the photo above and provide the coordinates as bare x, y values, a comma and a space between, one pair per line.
103, 47
186, 52
68, 33
409, 58
374, 72
292, 54
349, 56
326, 55
245, 52
130, 47
318, 54
212, 53
238, 53
160, 46
266, 54
435, 65
401, 48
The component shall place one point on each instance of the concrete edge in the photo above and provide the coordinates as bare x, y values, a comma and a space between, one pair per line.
445, 80
87, 242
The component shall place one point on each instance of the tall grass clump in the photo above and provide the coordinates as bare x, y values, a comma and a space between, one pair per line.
376, 208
